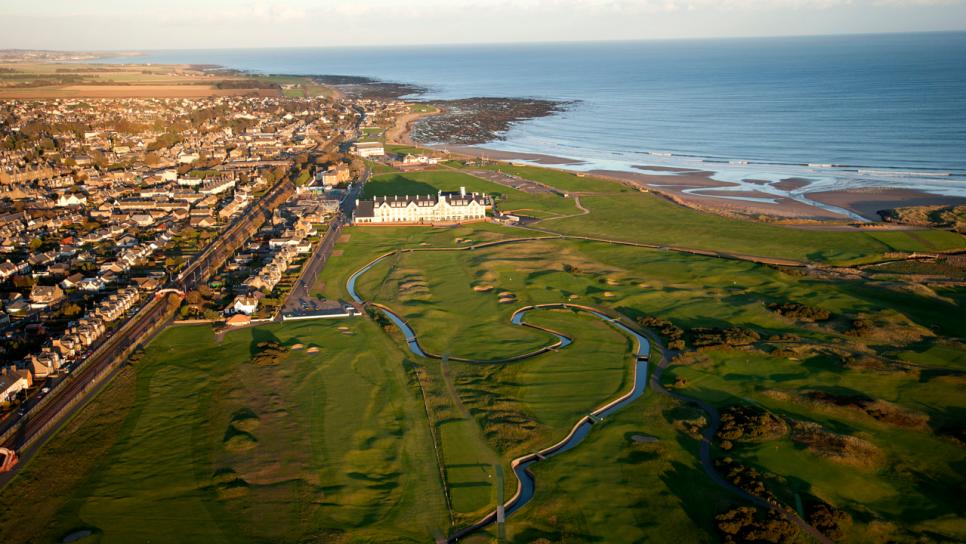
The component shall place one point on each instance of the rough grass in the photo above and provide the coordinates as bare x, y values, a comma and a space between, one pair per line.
327, 445
913, 479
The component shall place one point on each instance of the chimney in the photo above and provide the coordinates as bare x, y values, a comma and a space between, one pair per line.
463, 191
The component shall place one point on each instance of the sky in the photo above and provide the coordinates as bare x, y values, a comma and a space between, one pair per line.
198, 24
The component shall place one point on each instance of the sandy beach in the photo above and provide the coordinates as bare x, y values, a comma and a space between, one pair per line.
866, 202
402, 131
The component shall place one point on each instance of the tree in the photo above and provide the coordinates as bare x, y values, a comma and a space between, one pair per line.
36, 243
71, 310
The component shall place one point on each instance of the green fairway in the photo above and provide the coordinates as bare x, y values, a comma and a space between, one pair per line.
562, 180
322, 445
643, 217
359, 245
614, 489
521, 406
620, 214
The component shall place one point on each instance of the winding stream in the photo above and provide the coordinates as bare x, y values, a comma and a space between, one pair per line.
526, 484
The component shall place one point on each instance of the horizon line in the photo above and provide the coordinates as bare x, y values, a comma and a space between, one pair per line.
501, 43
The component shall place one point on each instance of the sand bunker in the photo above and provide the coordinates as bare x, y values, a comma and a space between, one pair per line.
297, 346
482, 288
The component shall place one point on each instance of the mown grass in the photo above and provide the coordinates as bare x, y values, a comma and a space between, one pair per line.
644, 217
508, 199
521, 406
561, 180
614, 489
360, 245
327, 445
378, 168
647, 218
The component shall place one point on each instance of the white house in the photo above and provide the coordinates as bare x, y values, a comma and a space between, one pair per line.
368, 149
76, 199
244, 304
91, 284
13, 381
438, 208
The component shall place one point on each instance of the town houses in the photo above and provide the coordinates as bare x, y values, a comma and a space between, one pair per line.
103, 202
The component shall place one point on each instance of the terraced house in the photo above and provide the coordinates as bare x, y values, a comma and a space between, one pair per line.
439, 208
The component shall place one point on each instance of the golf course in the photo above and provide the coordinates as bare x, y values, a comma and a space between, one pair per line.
835, 390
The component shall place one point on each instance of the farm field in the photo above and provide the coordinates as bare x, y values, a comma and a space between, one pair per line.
65, 80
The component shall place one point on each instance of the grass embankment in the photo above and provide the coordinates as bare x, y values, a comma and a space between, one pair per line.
215, 445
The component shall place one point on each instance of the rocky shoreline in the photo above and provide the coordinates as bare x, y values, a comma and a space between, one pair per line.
472, 121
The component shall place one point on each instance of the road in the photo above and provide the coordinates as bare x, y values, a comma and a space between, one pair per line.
232, 238
300, 299
73, 390
85, 381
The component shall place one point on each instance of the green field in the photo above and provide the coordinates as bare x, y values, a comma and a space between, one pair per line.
648, 218
521, 406
209, 447
619, 213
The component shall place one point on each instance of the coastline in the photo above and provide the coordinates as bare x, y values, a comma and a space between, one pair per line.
697, 188
793, 198
868, 201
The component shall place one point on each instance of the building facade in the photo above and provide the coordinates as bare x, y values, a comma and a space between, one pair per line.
415, 209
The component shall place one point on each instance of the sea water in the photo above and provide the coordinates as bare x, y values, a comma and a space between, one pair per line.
842, 111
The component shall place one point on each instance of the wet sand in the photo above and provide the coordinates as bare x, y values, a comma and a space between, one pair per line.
866, 202
664, 168
791, 184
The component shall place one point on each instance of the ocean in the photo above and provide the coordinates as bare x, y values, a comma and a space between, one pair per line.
843, 111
